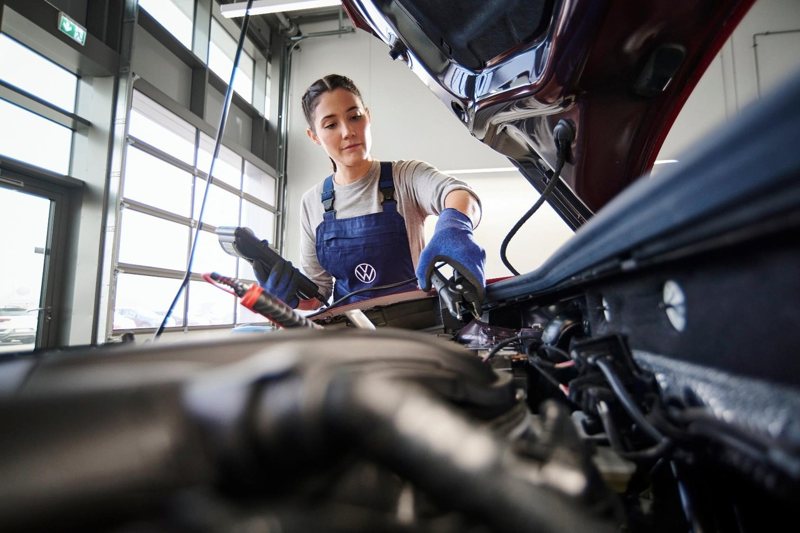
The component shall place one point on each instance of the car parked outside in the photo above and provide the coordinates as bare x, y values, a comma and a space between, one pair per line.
18, 325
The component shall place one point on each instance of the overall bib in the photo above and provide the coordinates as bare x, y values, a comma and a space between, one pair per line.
365, 251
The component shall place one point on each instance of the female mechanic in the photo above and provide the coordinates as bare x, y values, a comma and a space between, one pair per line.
362, 226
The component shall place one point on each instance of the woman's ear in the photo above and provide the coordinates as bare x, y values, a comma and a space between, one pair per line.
312, 135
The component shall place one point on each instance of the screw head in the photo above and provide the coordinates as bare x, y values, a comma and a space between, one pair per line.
674, 303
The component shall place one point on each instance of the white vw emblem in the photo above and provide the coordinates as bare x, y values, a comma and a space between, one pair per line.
365, 273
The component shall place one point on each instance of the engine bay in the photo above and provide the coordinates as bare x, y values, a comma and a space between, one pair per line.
684, 425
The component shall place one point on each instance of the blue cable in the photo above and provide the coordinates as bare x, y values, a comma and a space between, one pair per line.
217, 143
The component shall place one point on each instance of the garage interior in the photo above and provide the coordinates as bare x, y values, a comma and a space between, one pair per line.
638, 374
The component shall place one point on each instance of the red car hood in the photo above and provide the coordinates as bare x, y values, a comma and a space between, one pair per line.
510, 70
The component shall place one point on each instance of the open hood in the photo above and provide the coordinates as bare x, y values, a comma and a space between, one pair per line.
619, 72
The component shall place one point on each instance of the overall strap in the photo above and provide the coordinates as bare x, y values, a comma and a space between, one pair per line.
386, 185
327, 198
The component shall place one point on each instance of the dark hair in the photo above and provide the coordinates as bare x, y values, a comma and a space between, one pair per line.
322, 86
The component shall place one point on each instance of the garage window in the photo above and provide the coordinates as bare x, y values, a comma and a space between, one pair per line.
30, 132
175, 15
164, 179
26, 80
221, 53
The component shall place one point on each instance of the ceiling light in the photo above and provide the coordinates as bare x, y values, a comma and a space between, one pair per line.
260, 7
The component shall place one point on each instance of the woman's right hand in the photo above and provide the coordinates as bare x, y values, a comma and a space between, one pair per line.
281, 281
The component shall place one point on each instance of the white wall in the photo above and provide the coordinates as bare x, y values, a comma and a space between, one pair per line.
410, 123
740, 73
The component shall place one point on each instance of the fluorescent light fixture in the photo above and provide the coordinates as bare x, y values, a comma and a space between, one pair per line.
481, 170
665, 161
260, 7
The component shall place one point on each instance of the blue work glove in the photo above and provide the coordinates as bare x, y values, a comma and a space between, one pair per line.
281, 281
454, 244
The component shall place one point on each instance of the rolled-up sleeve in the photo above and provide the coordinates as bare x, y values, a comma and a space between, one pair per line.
428, 186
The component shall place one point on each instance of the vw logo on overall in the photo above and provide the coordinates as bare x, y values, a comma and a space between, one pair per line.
365, 273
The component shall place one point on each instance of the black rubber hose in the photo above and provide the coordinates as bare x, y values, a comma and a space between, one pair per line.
649, 454
627, 402
457, 463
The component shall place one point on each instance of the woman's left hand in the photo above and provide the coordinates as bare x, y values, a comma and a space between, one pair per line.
453, 243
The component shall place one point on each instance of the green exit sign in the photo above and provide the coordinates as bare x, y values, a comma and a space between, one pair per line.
72, 29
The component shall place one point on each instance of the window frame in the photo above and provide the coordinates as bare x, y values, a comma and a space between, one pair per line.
40, 107
62, 190
192, 18
199, 180
248, 50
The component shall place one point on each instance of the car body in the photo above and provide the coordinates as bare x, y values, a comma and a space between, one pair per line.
137, 318
644, 378
511, 78
18, 325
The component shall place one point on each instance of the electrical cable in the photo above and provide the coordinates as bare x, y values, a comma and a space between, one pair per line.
544, 368
499, 346
627, 402
551, 365
359, 291
505, 342
532, 360
608, 424
210, 279
559, 351
217, 144
541, 362
686, 501
546, 375
654, 452
550, 186
563, 135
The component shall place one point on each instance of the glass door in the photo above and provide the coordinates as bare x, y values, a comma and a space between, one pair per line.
25, 221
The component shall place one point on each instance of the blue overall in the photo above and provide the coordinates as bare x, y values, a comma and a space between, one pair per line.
368, 250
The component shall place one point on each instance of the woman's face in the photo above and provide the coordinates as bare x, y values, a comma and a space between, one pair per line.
342, 128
